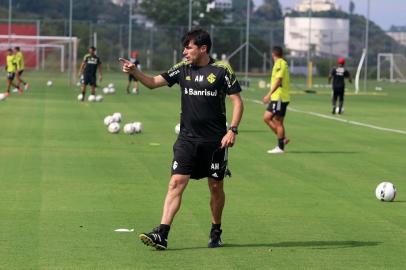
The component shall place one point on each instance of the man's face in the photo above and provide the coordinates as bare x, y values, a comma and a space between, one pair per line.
192, 53
274, 57
9, 52
91, 51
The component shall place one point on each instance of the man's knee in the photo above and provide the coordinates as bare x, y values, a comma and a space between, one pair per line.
267, 117
216, 187
178, 182
278, 120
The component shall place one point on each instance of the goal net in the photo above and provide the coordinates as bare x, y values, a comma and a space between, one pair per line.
391, 67
48, 53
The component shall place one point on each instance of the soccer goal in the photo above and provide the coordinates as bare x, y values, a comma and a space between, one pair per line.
48, 53
391, 67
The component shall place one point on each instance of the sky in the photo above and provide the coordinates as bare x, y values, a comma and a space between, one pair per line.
393, 12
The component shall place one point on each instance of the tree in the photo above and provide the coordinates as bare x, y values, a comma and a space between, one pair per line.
240, 11
270, 10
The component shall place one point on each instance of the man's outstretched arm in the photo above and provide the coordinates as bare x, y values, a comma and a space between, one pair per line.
148, 81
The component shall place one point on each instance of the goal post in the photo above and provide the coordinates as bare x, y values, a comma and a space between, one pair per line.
45, 52
391, 67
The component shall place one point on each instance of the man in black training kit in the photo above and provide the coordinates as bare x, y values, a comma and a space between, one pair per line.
131, 78
91, 62
338, 74
201, 148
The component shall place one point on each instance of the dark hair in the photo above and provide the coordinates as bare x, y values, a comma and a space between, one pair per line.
93, 48
10, 50
199, 36
17, 48
278, 51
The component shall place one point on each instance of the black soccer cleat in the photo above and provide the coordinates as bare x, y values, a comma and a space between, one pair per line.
215, 239
154, 239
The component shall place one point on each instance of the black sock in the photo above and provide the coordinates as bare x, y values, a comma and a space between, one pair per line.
216, 226
281, 143
164, 229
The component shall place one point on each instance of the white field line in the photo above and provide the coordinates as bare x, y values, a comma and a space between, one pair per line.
339, 119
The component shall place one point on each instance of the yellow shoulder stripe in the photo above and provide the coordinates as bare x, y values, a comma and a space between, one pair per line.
182, 63
224, 65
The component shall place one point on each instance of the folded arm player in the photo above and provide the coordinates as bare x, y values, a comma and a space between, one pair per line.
201, 148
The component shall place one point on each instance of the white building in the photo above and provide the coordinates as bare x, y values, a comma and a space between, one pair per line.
317, 5
399, 37
328, 37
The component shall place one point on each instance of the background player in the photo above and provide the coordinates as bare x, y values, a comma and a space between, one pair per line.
338, 74
11, 68
278, 98
201, 148
131, 77
19, 58
88, 68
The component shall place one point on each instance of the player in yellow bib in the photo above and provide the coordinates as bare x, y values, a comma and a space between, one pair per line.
19, 58
11, 68
278, 99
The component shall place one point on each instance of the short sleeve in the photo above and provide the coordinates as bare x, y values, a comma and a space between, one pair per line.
172, 75
280, 70
333, 72
231, 83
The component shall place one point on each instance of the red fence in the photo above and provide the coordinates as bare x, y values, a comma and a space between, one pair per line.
30, 54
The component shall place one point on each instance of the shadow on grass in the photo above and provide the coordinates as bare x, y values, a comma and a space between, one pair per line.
301, 244
322, 152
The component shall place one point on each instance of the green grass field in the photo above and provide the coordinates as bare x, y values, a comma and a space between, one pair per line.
66, 184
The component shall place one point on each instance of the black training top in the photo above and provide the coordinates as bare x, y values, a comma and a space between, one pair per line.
91, 64
203, 90
339, 74
135, 62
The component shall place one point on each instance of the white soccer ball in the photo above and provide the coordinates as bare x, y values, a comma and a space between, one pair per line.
78, 84
114, 127
108, 120
137, 127
135, 91
129, 128
385, 192
49, 83
105, 90
99, 98
177, 128
117, 117
2, 96
112, 90
15, 90
111, 85
91, 98
80, 96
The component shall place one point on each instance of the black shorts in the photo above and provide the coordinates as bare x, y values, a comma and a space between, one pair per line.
20, 72
278, 108
199, 159
338, 90
89, 79
132, 78
10, 75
